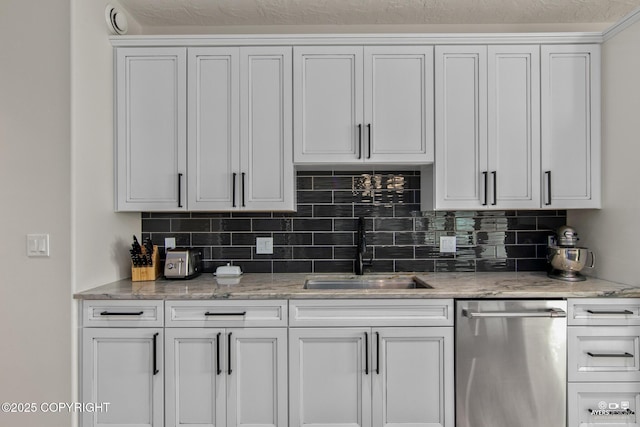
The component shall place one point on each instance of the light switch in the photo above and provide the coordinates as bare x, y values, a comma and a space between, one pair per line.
37, 245
448, 244
169, 243
264, 245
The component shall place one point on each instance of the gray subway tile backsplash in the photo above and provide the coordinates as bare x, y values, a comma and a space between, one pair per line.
320, 236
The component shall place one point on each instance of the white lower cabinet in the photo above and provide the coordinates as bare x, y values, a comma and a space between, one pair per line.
369, 376
603, 362
123, 367
226, 377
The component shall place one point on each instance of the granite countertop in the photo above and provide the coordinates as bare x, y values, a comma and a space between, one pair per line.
289, 286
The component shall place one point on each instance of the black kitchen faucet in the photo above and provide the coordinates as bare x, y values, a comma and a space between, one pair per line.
361, 249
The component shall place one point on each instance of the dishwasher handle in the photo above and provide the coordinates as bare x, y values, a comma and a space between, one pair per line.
552, 312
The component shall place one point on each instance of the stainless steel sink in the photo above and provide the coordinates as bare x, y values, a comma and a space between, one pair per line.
365, 282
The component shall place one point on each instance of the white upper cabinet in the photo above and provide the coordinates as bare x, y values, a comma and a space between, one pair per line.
363, 104
240, 136
487, 127
151, 129
571, 126
238, 122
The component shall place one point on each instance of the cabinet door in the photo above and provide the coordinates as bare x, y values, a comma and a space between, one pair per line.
328, 114
413, 377
257, 377
514, 126
195, 375
330, 377
398, 103
570, 77
461, 174
151, 129
266, 169
214, 143
125, 368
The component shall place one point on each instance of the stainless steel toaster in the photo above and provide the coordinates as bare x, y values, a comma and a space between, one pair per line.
182, 263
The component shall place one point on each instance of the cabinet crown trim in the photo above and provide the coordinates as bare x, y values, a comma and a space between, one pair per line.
359, 39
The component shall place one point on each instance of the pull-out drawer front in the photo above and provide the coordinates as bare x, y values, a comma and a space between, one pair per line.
371, 312
217, 314
604, 353
130, 314
604, 404
604, 311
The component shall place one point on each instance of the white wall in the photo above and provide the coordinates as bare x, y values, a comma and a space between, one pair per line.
614, 231
35, 293
101, 237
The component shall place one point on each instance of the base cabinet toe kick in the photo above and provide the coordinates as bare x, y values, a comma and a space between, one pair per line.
281, 363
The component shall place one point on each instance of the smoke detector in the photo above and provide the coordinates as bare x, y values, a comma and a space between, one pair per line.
116, 20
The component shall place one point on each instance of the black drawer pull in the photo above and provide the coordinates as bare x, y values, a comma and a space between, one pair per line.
609, 354
366, 353
621, 313
208, 313
121, 313
229, 353
378, 353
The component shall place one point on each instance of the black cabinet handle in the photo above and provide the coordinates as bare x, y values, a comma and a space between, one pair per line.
548, 174
243, 180
359, 141
495, 188
233, 191
218, 370
621, 313
369, 144
155, 354
225, 314
229, 353
486, 182
121, 313
625, 354
378, 353
366, 353
179, 190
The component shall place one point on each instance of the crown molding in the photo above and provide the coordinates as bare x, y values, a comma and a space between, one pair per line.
621, 25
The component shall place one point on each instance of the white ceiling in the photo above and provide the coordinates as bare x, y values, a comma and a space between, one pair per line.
220, 13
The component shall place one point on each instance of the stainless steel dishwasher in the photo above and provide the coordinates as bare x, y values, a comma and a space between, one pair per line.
511, 363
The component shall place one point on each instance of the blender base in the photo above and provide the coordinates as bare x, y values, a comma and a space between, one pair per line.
567, 276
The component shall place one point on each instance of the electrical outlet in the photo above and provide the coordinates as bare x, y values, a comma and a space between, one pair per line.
264, 245
447, 244
169, 243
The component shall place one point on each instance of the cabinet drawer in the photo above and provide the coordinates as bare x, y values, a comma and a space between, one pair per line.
202, 314
371, 312
109, 314
604, 353
604, 404
602, 311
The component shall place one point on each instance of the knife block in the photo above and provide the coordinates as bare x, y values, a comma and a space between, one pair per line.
141, 274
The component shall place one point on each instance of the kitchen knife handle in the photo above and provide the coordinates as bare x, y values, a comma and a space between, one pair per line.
179, 190
229, 353
121, 313
485, 174
378, 353
359, 141
625, 354
218, 370
366, 353
233, 189
155, 354
495, 188
548, 174
369, 143
243, 180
